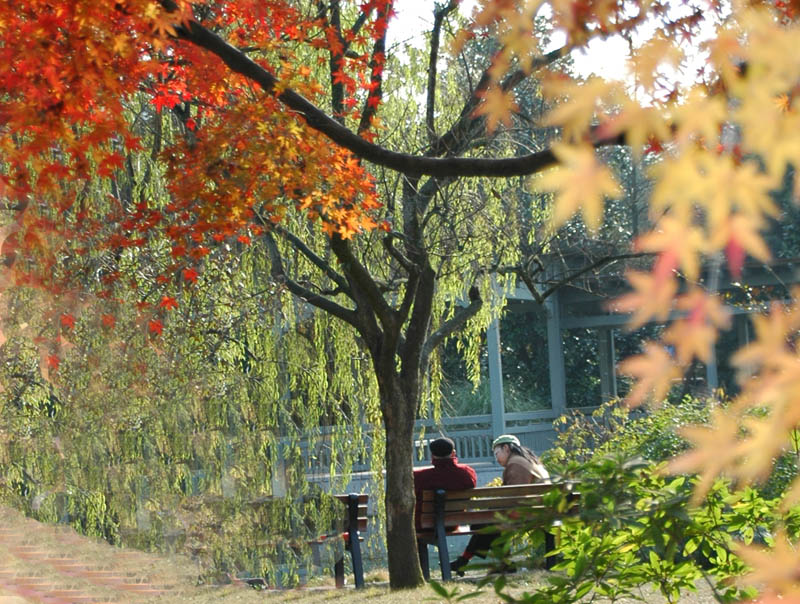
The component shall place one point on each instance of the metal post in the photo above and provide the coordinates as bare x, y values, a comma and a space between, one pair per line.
496, 379
555, 354
608, 377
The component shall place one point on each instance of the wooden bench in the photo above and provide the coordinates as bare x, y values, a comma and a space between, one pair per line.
448, 513
355, 523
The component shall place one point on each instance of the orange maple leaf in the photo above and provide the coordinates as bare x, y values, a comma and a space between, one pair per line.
651, 299
778, 567
67, 321
190, 275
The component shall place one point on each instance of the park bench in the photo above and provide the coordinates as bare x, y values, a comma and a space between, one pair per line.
355, 523
452, 513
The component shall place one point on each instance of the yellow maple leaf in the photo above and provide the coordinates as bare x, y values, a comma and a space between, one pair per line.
647, 61
778, 567
679, 185
700, 116
651, 299
582, 103
714, 450
498, 106
654, 371
733, 187
695, 335
580, 181
743, 231
641, 125
771, 341
672, 236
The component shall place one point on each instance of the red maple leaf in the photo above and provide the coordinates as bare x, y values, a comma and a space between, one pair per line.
190, 275
109, 321
155, 326
67, 321
168, 303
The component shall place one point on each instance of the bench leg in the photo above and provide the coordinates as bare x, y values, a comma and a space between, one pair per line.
549, 545
441, 533
338, 572
355, 545
424, 562
444, 555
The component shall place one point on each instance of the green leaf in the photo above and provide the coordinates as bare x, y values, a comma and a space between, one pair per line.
440, 589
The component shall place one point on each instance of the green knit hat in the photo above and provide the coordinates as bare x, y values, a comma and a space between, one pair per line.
505, 439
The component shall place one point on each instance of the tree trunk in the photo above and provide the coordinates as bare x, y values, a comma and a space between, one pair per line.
399, 410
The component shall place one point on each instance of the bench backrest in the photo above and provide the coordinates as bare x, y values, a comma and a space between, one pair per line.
361, 501
482, 505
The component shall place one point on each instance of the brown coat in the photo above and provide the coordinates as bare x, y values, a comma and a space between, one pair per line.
520, 470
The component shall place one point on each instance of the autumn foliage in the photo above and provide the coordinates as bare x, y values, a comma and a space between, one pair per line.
72, 71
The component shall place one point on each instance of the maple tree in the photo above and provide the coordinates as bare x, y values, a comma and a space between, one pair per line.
262, 136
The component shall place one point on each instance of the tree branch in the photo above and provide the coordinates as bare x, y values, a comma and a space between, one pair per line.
438, 17
321, 264
376, 63
319, 120
541, 297
459, 318
329, 306
407, 265
362, 282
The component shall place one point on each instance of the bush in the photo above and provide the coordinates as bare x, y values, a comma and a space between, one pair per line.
636, 526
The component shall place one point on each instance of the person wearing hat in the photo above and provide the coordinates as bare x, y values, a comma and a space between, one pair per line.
446, 473
520, 466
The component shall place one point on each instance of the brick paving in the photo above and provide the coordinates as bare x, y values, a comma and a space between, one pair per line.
54, 565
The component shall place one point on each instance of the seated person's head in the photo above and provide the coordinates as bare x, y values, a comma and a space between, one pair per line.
441, 448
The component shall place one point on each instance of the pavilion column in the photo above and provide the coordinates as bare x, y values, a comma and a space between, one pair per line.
607, 358
496, 379
555, 355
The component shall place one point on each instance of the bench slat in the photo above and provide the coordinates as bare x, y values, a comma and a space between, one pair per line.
525, 489
458, 518
362, 498
465, 505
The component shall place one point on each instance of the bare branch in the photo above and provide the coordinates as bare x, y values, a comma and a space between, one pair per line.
438, 17
320, 263
362, 285
459, 318
279, 274
397, 254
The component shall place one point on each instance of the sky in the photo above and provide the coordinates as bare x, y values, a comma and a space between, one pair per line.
604, 58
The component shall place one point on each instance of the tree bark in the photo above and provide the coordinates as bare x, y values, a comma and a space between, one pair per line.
399, 409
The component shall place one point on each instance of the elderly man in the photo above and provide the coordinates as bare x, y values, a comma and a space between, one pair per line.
446, 472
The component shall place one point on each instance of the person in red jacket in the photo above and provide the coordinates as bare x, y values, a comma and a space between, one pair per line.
446, 473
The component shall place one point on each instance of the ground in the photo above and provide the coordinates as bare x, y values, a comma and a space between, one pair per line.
53, 564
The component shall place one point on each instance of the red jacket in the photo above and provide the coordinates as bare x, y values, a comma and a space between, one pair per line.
446, 474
